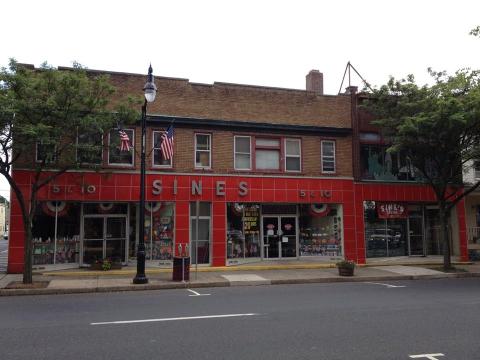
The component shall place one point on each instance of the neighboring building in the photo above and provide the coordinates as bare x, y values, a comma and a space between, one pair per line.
401, 217
278, 173
3, 217
471, 175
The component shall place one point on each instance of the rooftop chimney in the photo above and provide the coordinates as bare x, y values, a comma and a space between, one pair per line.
315, 82
351, 90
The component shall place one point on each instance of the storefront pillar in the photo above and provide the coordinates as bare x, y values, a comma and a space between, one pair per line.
219, 231
462, 230
182, 228
16, 238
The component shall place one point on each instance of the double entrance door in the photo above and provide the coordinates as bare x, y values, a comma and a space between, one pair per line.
104, 236
279, 236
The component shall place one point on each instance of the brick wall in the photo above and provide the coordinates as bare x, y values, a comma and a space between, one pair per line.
179, 97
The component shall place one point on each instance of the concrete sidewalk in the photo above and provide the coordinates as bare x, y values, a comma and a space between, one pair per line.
83, 281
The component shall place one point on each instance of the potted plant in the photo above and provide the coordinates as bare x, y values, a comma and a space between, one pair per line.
105, 265
346, 267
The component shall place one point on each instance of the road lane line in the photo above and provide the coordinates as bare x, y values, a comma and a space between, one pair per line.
173, 319
196, 293
387, 285
426, 356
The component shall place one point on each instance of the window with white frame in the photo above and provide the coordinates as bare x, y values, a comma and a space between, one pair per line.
203, 150
267, 154
158, 158
328, 156
45, 153
293, 155
89, 148
476, 169
117, 155
243, 159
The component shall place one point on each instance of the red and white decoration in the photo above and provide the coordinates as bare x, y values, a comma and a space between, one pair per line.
319, 209
51, 208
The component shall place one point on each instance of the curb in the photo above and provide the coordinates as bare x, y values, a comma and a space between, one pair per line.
132, 270
194, 285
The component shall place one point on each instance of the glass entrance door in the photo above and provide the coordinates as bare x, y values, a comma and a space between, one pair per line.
415, 235
279, 237
104, 237
270, 237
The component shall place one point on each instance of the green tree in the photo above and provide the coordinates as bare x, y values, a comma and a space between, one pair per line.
438, 128
41, 112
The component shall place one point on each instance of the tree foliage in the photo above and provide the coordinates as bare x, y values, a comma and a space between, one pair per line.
437, 127
41, 113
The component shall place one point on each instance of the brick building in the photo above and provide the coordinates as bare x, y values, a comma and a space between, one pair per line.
278, 173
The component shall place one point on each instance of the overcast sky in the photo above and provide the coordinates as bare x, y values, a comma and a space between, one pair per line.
269, 43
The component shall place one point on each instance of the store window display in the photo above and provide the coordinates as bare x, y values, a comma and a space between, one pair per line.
56, 233
321, 230
243, 231
159, 230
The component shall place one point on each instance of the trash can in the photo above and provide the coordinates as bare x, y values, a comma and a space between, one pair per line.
181, 268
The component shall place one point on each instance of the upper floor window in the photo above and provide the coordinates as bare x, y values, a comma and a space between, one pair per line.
293, 155
328, 156
203, 151
476, 168
376, 163
45, 153
117, 153
267, 154
243, 159
158, 156
89, 148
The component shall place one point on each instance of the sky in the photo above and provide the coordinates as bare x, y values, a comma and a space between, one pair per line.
260, 42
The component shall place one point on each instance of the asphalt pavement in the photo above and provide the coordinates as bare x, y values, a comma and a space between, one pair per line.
423, 319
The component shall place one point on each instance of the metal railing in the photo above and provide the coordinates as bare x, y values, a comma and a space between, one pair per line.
474, 235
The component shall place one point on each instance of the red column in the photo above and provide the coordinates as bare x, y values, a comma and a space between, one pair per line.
219, 233
462, 230
16, 238
182, 226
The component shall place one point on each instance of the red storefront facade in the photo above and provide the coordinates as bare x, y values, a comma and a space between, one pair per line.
183, 190
220, 191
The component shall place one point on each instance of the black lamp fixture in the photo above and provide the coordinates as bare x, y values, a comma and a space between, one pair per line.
150, 90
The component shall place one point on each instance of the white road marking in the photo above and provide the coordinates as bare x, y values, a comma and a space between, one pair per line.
196, 293
173, 319
387, 285
5, 251
427, 356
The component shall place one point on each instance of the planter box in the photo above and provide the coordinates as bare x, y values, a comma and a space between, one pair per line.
345, 271
98, 267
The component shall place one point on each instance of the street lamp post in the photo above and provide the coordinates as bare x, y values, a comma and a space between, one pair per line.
150, 90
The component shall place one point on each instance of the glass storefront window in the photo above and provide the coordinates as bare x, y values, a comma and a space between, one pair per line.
321, 230
416, 233
159, 230
56, 233
243, 231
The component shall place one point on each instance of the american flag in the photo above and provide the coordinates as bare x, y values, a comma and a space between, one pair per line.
167, 143
124, 141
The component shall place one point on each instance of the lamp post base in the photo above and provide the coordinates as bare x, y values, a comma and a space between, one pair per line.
140, 279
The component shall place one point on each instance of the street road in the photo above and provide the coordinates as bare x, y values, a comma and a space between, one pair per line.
434, 319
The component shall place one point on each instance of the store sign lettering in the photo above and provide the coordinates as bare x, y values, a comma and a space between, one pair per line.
391, 211
315, 194
89, 189
196, 187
